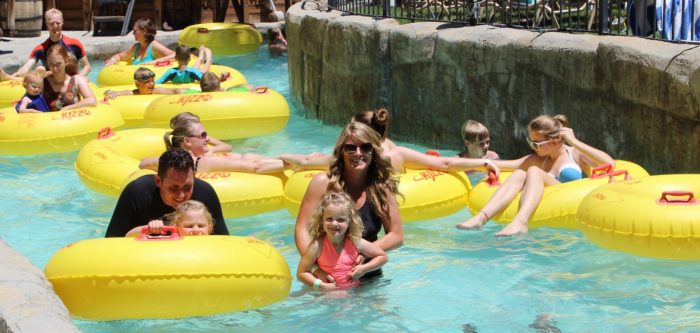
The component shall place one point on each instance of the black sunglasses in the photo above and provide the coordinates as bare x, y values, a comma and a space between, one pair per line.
365, 148
145, 76
202, 136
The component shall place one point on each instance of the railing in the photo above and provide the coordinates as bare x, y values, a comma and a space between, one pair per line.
671, 20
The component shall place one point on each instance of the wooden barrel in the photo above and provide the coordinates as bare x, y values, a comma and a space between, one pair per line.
28, 17
24, 20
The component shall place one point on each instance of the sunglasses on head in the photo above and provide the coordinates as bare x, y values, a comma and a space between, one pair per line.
145, 76
365, 148
202, 136
535, 145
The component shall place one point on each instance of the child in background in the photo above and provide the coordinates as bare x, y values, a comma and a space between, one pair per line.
191, 218
278, 44
476, 140
210, 82
145, 85
33, 99
336, 229
184, 74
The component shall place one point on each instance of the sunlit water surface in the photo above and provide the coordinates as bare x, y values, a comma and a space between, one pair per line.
441, 279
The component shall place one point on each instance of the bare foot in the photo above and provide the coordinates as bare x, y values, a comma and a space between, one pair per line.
4, 76
476, 222
513, 228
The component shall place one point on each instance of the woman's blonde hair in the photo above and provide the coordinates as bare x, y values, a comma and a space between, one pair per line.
381, 180
182, 128
175, 217
343, 200
377, 119
474, 131
549, 126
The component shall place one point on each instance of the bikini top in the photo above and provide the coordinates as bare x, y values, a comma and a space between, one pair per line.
146, 57
569, 171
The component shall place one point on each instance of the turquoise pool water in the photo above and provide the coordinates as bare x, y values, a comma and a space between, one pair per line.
441, 280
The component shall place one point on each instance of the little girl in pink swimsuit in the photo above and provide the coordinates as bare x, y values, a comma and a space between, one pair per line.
336, 230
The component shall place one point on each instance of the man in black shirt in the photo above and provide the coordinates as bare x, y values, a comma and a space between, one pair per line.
150, 197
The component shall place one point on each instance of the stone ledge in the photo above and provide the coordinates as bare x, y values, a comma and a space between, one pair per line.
27, 300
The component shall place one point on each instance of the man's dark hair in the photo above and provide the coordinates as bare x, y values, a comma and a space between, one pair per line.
174, 158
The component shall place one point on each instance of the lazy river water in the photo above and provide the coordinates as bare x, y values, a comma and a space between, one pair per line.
441, 280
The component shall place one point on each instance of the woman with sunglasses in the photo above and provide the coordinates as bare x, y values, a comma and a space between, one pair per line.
189, 134
401, 158
559, 158
147, 50
359, 168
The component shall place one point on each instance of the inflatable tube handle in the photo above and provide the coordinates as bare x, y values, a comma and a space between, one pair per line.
432, 152
104, 133
597, 171
664, 200
174, 235
162, 63
615, 173
492, 179
202, 30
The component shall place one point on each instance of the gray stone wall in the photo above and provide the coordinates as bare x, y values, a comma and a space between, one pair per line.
27, 301
635, 98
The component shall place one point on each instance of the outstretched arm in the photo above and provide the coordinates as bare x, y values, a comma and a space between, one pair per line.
224, 163
417, 160
161, 52
218, 146
125, 55
22, 71
306, 162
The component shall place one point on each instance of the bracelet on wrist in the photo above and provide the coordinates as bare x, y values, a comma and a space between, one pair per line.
317, 283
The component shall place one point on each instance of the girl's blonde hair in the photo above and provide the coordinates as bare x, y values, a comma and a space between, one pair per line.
182, 127
343, 200
175, 217
380, 178
549, 126
474, 131
35, 78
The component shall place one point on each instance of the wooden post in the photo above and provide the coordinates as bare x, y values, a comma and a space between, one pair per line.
87, 15
10, 17
158, 13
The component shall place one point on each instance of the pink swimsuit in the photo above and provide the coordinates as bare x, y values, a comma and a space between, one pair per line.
337, 264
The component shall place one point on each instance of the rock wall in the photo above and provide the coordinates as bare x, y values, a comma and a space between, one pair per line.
635, 98
27, 300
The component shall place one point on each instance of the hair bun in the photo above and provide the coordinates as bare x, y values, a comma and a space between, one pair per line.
381, 117
562, 120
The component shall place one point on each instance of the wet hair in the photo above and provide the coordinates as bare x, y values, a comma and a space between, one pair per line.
183, 53
549, 126
380, 178
52, 12
143, 73
181, 126
174, 158
377, 119
343, 200
209, 82
473, 131
175, 217
149, 27
33, 78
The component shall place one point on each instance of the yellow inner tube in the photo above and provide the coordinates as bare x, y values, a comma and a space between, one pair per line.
655, 216
222, 38
559, 202
122, 73
426, 194
107, 165
53, 132
191, 276
225, 115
